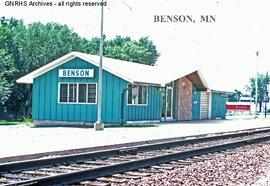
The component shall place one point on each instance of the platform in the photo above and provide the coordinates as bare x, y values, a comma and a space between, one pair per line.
21, 140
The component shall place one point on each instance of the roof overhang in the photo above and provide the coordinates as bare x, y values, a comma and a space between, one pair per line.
222, 91
29, 78
197, 80
147, 84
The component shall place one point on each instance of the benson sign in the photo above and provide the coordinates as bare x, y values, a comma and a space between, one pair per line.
80, 73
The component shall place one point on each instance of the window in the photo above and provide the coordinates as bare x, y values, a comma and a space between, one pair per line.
137, 95
77, 93
82, 93
63, 92
91, 93
72, 93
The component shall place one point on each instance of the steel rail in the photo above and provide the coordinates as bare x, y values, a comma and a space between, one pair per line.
38, 163
92, 173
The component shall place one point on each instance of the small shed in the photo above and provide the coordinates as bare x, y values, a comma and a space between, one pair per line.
210, 104
218, 104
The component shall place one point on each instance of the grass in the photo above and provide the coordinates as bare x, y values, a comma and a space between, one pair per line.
6, 122
27, 122
131, 126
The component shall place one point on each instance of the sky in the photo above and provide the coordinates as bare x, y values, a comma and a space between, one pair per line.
225, 50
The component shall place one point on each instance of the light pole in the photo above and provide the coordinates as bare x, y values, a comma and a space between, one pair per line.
256, 85
98, 124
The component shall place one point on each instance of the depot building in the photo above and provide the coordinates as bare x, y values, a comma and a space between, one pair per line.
65, 93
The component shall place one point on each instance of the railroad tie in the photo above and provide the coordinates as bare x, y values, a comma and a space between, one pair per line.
126, 176
95, 183
111, 180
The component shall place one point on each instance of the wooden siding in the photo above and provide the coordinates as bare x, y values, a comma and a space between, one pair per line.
204, 104
218, 106
150, 112
45, 96
46, 106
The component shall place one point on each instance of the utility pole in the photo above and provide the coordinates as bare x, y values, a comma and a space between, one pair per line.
99, 126
256, 85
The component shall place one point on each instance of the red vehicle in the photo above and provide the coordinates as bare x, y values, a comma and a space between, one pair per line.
237, 106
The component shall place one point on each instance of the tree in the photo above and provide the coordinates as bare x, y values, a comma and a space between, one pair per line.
263, 81
235, 96
142, 51
8, 54
4, 90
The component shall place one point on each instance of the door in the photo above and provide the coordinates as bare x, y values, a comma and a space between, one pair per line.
218, 106
167, 108
196, 96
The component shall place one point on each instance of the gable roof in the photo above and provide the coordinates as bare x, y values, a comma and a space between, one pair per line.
194, 75
131, 72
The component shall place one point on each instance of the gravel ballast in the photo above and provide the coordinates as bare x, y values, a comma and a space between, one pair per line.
248, 165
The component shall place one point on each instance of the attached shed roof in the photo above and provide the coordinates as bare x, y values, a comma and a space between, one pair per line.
131, 72
197, 80
193, 74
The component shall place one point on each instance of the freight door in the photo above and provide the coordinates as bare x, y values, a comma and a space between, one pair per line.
218, 106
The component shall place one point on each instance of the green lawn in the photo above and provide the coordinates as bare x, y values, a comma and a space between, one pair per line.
4, 122
131, 126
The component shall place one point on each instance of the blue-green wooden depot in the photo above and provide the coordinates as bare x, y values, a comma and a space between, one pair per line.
118, 76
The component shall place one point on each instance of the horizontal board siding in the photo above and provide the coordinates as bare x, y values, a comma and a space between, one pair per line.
45, 96
204, 105
150, 112
218, 105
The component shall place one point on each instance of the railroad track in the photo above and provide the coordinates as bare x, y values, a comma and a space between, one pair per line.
77, 168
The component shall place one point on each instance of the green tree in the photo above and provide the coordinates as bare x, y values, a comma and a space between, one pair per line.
235, 96
37, 45
4, 90
142, 51
263, 81
8, 55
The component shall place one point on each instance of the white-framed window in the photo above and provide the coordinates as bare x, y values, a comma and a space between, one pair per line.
137, 94
78, 93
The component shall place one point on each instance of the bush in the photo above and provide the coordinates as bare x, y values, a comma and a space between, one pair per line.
28, 122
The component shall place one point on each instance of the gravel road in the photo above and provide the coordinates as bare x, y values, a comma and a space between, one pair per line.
248, 165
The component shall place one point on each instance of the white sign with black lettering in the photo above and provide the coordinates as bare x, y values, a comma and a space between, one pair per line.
80, 73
